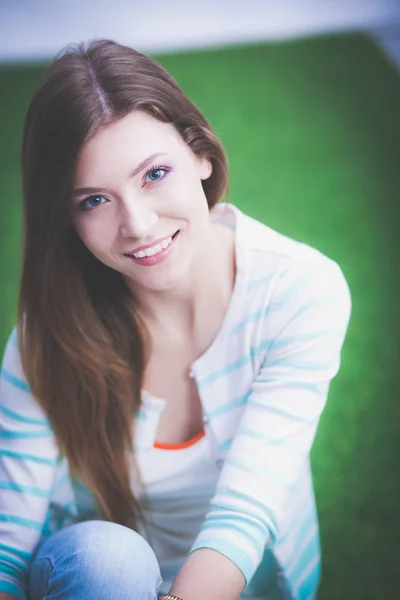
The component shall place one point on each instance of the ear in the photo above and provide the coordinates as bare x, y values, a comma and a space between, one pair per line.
205, 167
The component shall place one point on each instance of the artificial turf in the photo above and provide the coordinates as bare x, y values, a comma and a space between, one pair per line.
312, 131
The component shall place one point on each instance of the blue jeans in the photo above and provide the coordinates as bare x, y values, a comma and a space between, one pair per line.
94, 560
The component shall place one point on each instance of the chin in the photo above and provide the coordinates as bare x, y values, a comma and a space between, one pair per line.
163, 282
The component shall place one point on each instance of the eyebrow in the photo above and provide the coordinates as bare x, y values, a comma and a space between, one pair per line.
142, 165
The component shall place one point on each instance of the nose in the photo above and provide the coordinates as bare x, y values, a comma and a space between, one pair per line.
137, 219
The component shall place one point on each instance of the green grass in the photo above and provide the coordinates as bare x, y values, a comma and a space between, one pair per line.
312, 130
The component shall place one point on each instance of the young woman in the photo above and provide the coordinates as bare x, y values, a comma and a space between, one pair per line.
172, 357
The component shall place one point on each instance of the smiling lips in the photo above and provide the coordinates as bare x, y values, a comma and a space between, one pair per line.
155, 253
151, 250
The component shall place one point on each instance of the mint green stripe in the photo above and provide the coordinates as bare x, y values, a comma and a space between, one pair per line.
16, 435
308, 555
256, 316
318, 388
10, 559
234, 366
29, 523
257, 351
230, 368
244, 528
252, 318
274, 441
280, 411
17, 552
333, 299
13, 571
304, 337
11, 588
221, 410
298, 285
224, 446
60, 484
9, 570
82, 488
243, 499
142, 415
24, 489
309, 585
23, 456
69, 506
46, 530
260, 281
252, 433
292, 364
13, 415
261, 472
278, 344
233, 551
276, 306
309, 520
15, 381
14, 338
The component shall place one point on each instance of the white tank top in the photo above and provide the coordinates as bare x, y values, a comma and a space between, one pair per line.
179, 483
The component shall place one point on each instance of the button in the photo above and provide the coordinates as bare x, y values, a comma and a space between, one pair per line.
219, 463
206, 418
191, 374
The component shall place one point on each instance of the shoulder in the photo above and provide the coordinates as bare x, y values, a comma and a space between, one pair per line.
15, 393
258, 237
11, 362
287, 260
12, 377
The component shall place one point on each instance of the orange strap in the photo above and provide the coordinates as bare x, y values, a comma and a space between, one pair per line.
190, 442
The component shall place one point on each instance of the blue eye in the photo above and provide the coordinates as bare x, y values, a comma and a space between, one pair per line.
91, 202
154, 174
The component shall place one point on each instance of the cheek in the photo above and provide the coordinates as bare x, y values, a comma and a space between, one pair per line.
95, 234
184, 192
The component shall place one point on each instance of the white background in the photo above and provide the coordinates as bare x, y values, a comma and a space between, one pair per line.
38, 29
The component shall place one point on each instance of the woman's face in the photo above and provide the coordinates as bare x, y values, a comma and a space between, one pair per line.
138, 203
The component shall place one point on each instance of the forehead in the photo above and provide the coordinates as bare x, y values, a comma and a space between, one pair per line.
132, 138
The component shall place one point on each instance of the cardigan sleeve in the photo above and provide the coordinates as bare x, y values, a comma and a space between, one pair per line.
273, 440
28, 458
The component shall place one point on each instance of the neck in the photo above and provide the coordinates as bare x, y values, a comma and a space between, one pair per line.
206, 292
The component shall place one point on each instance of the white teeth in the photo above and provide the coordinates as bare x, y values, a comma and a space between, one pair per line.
154, 249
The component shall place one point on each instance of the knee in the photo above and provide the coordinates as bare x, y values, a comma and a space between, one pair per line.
103, 551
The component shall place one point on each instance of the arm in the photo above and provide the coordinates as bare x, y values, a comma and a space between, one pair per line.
208, 574
5, 596
28, 458
272, 443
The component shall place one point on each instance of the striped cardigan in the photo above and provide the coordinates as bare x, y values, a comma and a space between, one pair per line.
263, 384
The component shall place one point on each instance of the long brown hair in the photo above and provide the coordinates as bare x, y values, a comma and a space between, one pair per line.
83, 345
